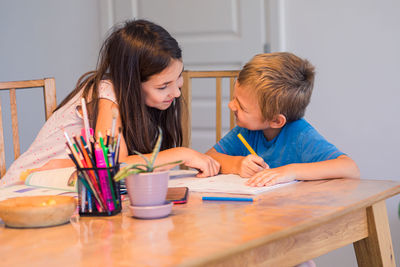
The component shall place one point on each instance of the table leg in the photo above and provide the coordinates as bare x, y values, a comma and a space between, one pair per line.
376, 249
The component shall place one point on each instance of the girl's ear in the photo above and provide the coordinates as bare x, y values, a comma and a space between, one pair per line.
278, 122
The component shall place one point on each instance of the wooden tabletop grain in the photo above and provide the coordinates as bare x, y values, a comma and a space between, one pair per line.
209, 233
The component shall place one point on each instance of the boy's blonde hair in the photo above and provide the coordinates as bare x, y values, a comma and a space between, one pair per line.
282, 82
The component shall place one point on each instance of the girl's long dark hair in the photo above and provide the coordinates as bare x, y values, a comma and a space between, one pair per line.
131, 55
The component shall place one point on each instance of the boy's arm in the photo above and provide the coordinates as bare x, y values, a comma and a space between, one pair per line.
341, 167
243, 166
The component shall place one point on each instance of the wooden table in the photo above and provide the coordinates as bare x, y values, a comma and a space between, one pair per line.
283, 227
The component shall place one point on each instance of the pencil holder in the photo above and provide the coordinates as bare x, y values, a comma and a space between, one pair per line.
98, 193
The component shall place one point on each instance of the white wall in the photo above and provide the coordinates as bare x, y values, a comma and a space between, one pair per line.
355, 48
44, 38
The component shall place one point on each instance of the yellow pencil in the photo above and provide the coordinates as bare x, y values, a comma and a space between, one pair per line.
246, 144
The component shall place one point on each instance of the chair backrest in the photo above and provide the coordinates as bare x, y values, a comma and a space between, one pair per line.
50, 103
187, 95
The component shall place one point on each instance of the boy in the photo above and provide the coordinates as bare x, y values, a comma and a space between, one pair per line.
271, 94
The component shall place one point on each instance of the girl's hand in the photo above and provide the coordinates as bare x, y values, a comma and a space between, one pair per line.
55, 164
251, 165
206, 165
273, 176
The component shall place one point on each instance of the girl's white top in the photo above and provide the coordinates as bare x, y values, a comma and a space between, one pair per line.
50, 142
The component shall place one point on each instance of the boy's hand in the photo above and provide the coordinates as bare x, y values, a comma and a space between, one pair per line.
273, 176
251, 165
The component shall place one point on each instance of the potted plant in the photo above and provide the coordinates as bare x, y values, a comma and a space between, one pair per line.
145, 186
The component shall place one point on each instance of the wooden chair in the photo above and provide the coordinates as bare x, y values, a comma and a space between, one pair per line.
187, 95
50, 103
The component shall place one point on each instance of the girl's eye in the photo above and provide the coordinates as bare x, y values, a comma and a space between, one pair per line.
162, 88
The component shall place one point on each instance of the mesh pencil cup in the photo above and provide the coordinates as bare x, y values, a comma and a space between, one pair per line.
98, 193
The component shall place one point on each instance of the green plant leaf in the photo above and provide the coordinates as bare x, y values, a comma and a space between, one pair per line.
127, 170
130, 172
120, 175
143, 157
156, 148
168, 163
149, 166
135, 171
122, 172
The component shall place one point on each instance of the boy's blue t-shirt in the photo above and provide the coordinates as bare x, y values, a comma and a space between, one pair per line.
297, 142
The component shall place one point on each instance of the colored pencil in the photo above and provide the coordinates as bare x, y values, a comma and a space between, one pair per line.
246, 144
243, 199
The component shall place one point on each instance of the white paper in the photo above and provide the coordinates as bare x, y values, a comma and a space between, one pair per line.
223, 183
52, 179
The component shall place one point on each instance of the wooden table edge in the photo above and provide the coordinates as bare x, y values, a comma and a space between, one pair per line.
359, 206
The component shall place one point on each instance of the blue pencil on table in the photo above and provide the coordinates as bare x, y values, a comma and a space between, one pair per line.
243, 199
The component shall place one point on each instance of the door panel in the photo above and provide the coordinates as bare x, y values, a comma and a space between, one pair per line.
213, 34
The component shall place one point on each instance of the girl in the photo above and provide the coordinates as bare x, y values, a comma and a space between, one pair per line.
139, 74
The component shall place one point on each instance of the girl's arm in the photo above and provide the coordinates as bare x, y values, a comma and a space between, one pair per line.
54, 164
191, 158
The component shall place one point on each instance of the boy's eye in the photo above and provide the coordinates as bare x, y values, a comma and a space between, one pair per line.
239, 105
242, 109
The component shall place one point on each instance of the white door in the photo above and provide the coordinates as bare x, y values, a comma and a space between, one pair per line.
213, 34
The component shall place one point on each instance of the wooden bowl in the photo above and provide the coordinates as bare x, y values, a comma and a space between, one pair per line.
37, 211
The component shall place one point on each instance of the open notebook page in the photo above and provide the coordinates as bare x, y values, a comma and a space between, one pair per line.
49, 182
53, 179
223, 183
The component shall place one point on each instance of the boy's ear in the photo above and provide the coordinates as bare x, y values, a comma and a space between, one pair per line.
278, 122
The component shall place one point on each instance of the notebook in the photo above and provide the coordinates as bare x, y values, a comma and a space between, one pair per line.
49, 182
223, 183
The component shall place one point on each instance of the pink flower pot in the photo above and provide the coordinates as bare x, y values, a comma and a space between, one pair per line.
147, 189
